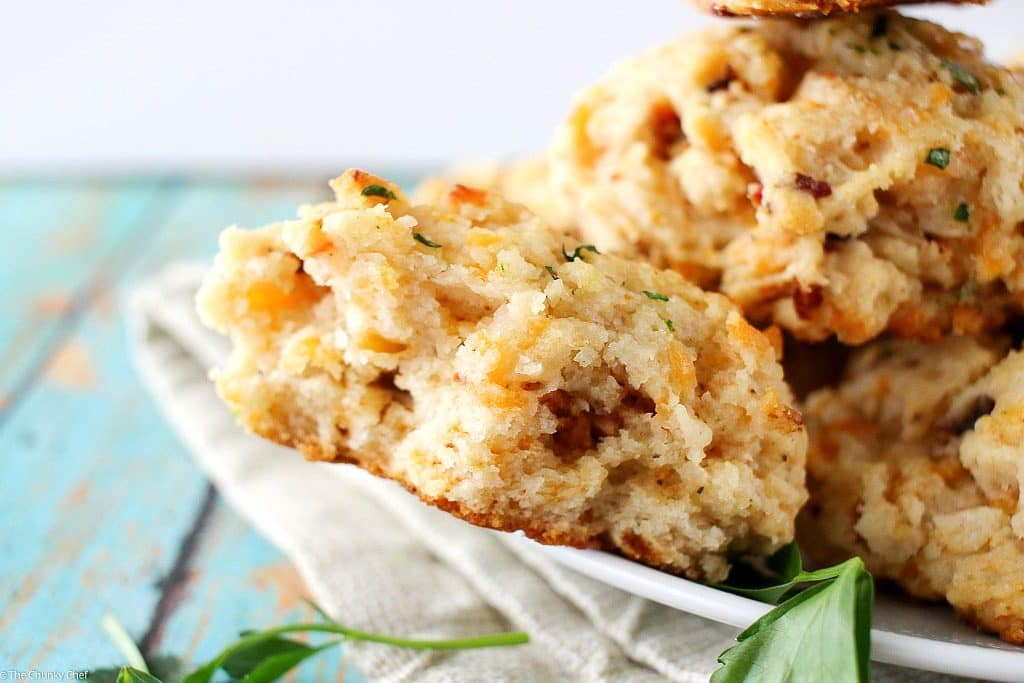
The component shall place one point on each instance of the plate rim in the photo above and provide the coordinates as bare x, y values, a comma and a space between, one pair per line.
900, 649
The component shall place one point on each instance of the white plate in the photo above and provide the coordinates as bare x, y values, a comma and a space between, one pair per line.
905, 633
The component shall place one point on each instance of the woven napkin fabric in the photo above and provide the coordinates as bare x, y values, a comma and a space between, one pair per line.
373, 553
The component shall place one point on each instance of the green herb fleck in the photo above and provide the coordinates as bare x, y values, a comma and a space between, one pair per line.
962, 212
968, 291
832, 617
881, 26
578, 252
377, 191
963, 76
551, 272
501, 267
894, 46
1001, 92
424, 241
857, 47
655, 296
670, 325
938, 157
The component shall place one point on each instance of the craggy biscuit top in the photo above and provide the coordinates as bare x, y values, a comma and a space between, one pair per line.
917, 464
802, 8
511, 375
524, 181
843, 176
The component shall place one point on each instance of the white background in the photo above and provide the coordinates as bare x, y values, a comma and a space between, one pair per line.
317, 85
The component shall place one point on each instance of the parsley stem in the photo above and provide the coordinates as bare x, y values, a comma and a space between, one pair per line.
206, 672
124, 643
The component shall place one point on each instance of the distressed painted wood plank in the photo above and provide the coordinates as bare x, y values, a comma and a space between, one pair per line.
239, 581
55, 239
123, 493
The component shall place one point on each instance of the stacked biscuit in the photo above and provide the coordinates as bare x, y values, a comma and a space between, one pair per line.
600, 368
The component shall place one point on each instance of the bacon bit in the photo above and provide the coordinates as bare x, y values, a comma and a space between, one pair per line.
816, 188
755, 193
637, 401
359, 176
666, 129
574, 429
460, 194
723, 82
951, 469
807, 301
964, 421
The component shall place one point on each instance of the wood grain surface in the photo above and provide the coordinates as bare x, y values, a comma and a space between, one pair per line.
103, 511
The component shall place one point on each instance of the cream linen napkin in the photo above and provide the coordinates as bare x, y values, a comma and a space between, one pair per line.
380, 560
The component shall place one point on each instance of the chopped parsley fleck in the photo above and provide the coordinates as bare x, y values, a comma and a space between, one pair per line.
962, 76
881, 26
968, 290
377, 191
894, 46
578, 252
551, 272
857, 47
501, 267
424, 241
670, 325
655, 296
1001, 92
938, 157
962, 212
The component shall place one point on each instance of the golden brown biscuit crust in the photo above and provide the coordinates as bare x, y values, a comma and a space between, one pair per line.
507, 374
915, 465
801, 8
847, 176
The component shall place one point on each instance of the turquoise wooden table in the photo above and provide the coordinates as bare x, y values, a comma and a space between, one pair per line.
103, 511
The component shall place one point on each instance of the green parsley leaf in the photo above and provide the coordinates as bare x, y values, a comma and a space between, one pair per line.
820, 634
962, 212
938, 157
881, 26
243, 661
275, 666
424, 241
655, 296
131, 675
782, 572
962, 76
551, 272
578, 253
670, 325
377, 191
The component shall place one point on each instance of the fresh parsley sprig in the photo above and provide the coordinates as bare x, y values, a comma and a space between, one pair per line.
821, 633
265, 656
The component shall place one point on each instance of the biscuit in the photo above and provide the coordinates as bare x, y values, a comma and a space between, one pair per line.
509, 375
801, 8
916, 464
841, 177
525, 181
